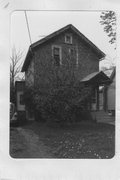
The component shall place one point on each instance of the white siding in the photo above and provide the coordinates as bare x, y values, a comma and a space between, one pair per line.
111, 96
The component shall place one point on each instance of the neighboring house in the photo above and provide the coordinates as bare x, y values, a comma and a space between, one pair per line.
58, 50
20, 105
106, 111
96, 79
109, 92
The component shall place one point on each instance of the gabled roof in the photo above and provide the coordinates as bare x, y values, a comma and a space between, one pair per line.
110, 72
96, 78
90, 76
56, 33
113, 73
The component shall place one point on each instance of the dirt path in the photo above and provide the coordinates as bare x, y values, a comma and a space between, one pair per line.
26, 144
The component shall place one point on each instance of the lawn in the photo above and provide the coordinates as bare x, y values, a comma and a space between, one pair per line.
76, 141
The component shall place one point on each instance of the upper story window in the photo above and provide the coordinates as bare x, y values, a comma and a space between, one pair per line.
71, 51
73, 54
68, 38
56, 53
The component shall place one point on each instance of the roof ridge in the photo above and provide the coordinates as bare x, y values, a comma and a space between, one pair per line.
57, 32
52, 34
73, 28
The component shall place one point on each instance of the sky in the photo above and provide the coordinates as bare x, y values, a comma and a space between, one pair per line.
42, 23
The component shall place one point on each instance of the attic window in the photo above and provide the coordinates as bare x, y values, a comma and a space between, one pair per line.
68, 38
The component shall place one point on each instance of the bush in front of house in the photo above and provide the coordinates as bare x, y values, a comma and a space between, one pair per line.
65, 104
57, 94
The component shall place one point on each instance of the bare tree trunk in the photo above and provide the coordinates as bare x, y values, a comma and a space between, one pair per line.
15, 68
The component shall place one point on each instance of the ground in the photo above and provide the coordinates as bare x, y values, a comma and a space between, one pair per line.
35, 140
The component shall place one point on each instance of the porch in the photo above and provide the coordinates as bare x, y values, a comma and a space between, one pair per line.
97, 103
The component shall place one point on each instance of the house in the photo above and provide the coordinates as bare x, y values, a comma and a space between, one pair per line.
96, 79
106, 111
111, 93
108, 92
66, 50
20, 105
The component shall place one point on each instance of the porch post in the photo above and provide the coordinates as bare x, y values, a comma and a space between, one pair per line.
105, 97
97, 89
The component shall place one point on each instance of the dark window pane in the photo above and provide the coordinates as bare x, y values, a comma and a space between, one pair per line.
57, 60
68, 39
56, 51
21, 99
56, 55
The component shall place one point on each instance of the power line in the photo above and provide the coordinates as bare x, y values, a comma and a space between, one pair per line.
28, 27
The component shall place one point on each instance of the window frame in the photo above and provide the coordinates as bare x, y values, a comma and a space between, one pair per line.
71, 52
60, 52
70, 35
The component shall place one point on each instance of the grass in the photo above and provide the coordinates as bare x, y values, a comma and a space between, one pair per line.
17, 144
77, 141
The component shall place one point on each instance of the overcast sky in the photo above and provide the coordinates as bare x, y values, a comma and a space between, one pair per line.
42, 23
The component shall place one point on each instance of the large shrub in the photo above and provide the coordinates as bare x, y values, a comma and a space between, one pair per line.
58, 94
63, 104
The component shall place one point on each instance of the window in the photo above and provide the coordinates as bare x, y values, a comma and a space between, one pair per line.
57, 55
21, 99
71, 51
68, 39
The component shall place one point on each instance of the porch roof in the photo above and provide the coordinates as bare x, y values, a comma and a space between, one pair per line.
99, 78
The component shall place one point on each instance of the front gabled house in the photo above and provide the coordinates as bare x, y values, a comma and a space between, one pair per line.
64, 50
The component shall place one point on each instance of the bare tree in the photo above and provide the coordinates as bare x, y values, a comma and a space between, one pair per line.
15, 68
